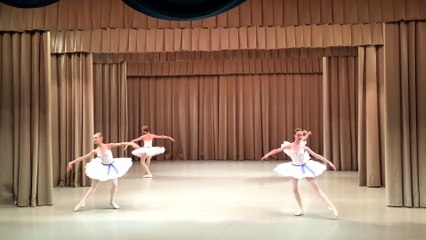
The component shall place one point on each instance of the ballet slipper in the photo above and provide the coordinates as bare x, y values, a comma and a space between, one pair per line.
299, 213
79, 205
334, 210
147, 176
115, 205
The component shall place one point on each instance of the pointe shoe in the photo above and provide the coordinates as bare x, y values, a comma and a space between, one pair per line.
79, 205
299, 213
147, 176
114, 205
334, 210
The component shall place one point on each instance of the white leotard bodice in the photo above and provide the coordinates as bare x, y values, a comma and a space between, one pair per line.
147, 143
107, 157
298, 158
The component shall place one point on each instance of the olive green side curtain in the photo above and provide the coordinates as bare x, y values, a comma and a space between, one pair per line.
25, 124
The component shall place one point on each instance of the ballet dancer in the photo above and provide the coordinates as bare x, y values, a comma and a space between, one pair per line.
302, 166
146, 152
104, 167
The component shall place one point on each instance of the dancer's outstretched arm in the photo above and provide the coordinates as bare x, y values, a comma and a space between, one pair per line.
163, 137
137, 139
319, 157
126, 144
275, 151
69, 166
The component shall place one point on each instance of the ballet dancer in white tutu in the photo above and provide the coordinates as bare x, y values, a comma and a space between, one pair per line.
302, 166
146, 152
104, 167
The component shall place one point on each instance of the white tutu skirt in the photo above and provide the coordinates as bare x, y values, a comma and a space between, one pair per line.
309, 169
95, 169
150, 151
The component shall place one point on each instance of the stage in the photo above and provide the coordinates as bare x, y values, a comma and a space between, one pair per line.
216, 200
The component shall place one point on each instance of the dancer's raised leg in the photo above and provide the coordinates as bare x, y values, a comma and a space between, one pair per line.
91, 190
322, 195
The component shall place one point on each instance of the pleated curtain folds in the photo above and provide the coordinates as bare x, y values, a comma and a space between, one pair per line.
229, 117
112, 40
72, 115
353, 114
25, 123
405, 114
110, 101
370, 117
101, 14
340, 111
